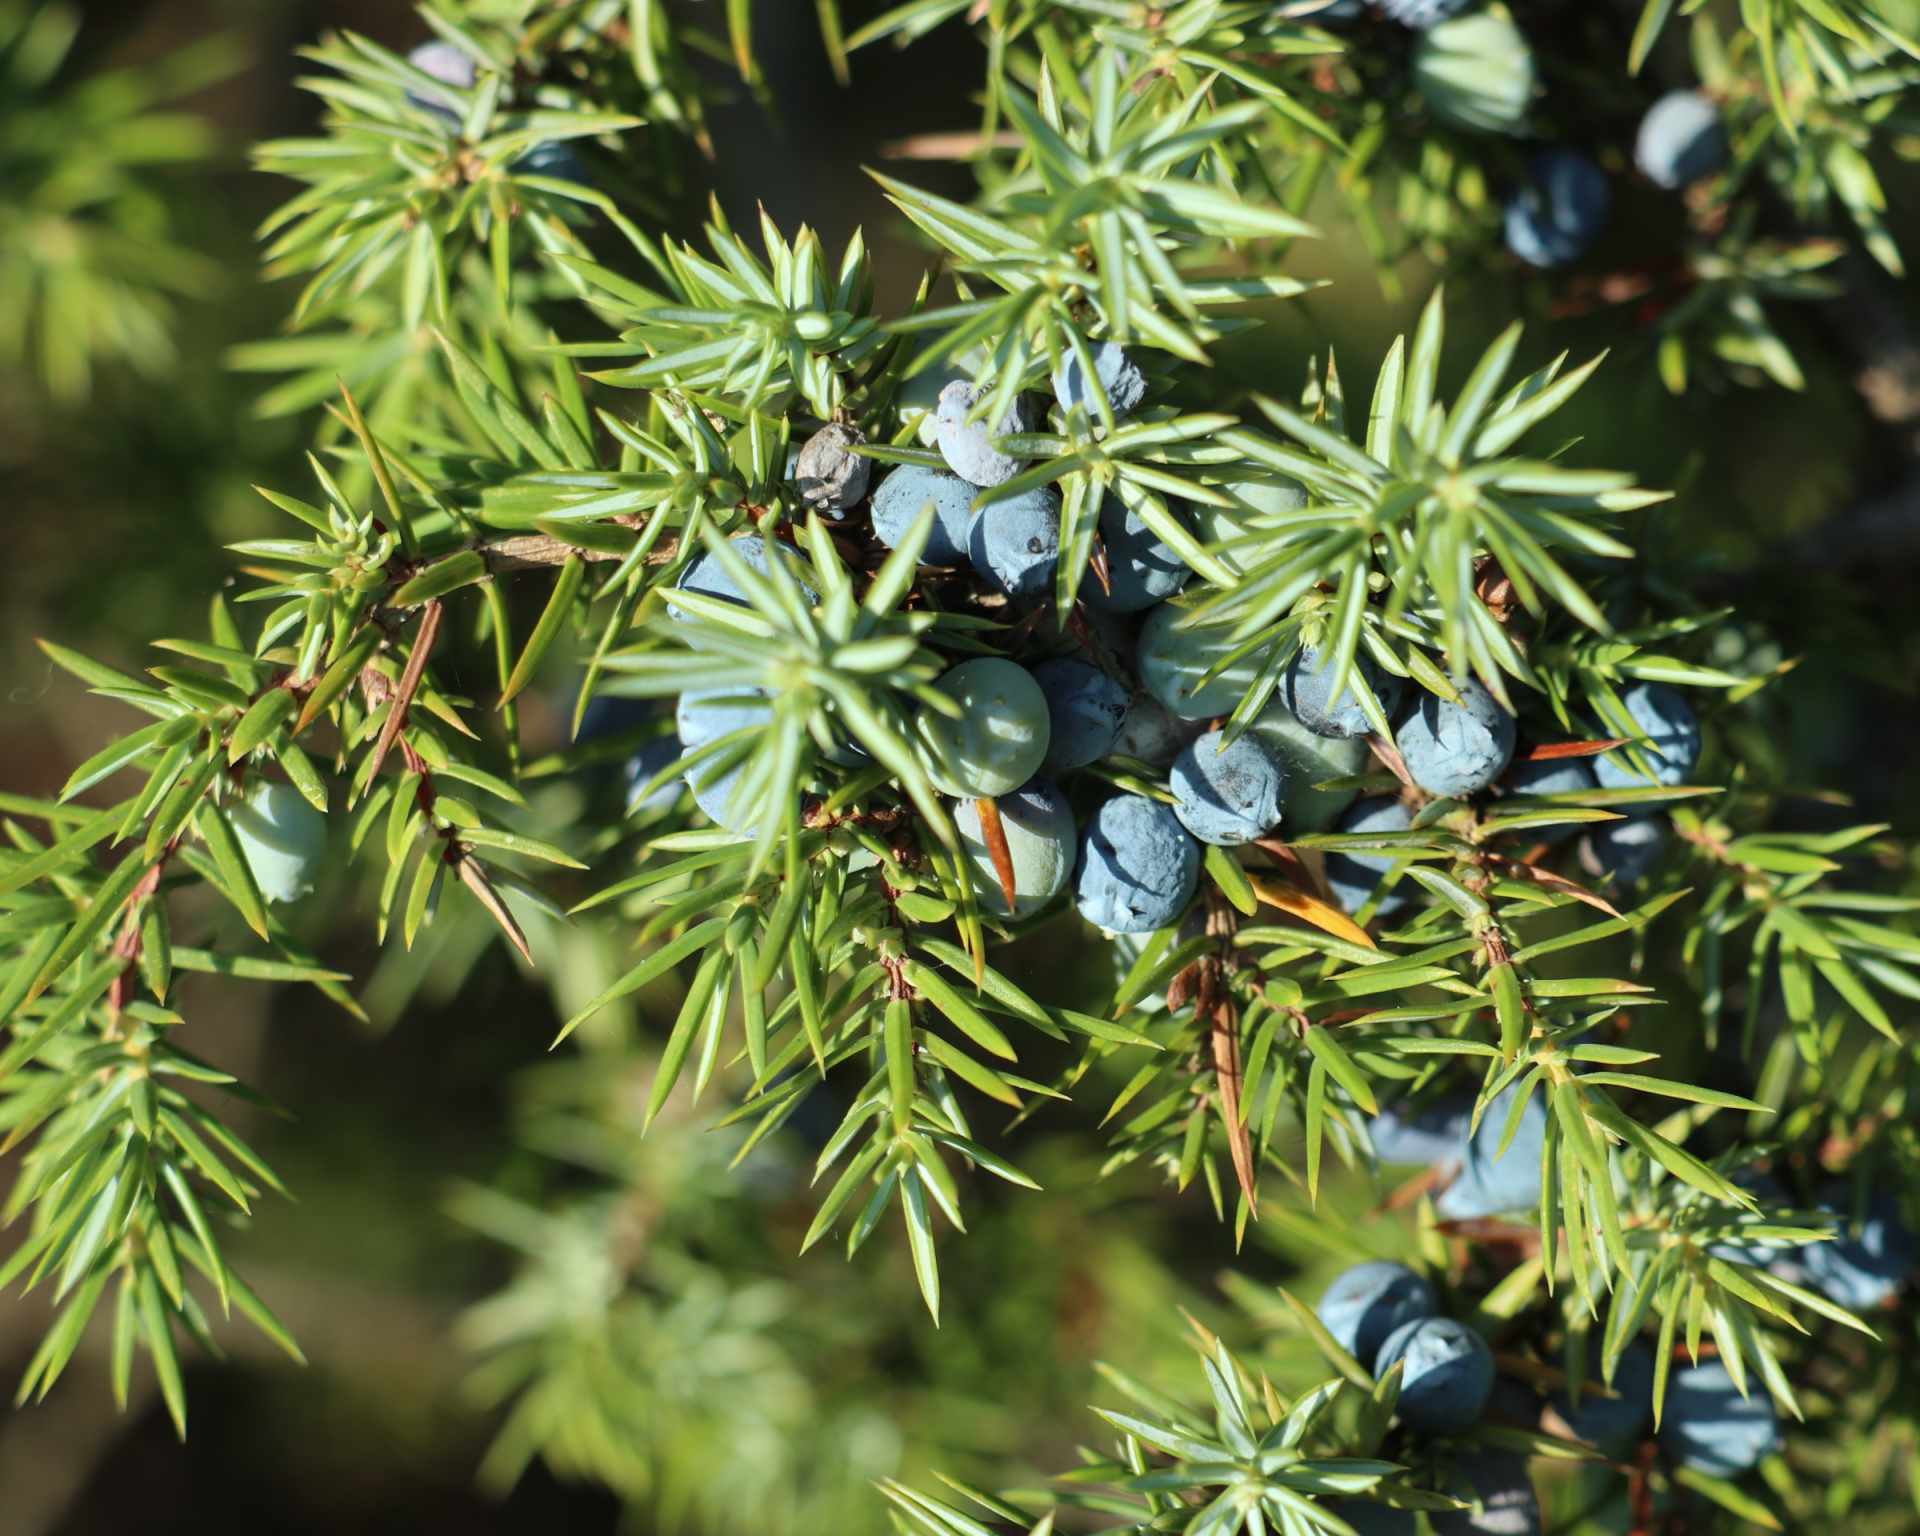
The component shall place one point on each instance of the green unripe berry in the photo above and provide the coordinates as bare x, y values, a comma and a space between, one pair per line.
1476, 72
1000, 737
1174, 665
1311, 760
282, 838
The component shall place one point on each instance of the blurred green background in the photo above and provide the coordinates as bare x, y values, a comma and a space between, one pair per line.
114, 511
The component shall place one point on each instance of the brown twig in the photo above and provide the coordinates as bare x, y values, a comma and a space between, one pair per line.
126, 947
423, 640
528, 551
1214, 1005
531, 551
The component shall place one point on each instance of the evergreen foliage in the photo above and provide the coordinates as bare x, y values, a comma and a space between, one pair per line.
553, 439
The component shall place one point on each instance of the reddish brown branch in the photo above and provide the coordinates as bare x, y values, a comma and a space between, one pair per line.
423, 640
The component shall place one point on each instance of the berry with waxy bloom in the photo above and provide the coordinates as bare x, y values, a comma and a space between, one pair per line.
1085, 710
967, 441
1352, 876
1015, 543
282, 838
1559, 211
1228, 792
1456, 749
1138, 866
1671, 750
1306, 689
1120, 379
1681, 140
1446, 1374
1706, 1424
1369, 1301
900, 498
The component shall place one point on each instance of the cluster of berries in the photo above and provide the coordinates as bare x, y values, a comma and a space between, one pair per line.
1452, 750
1142, 686
1384, 1313
1870, 1256
1020, 728
1475, 70
1562, 208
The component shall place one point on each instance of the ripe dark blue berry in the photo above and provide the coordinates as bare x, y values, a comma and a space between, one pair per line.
1551, 776
1121, 381
1142, 569
1430, 1135
1015, 543
909, 488
1085, 710
1499, 1492
1456, 749
1706, 1424
1446, 1374
1353, 876
1614, 1423
1559, 211
1152, 733
556, 159
1137, 868
1625, 851
1671, 750
707, 575
703, 716
1368, 1302
1491, 1181
1306, 689
1228, 792
1870, 1255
